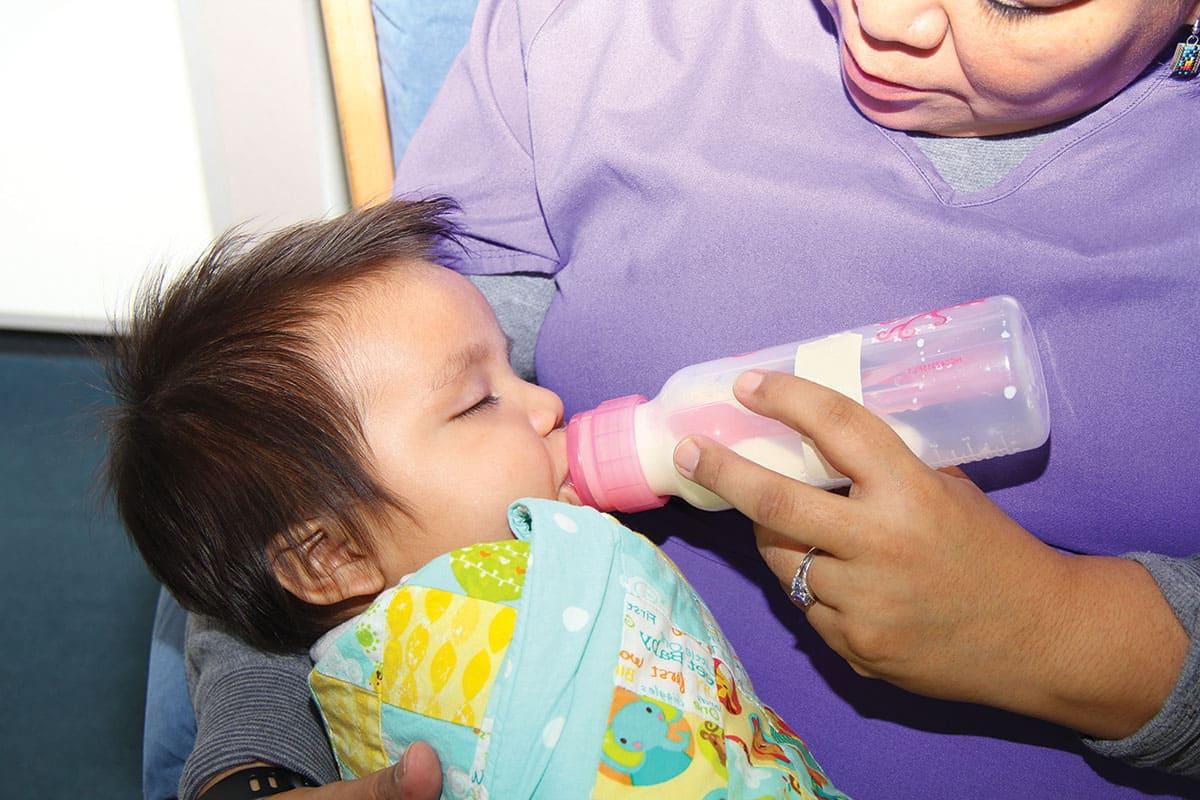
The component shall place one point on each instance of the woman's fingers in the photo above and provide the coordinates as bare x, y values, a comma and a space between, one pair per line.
827, 622
768, 498
418, 776
955, 472
421, 773
783, 556
837, 611
856, 443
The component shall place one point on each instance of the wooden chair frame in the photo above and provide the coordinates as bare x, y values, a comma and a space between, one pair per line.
358, 92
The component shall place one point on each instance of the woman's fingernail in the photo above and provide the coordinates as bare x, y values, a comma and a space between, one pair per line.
687, 456
747, 382
404, 760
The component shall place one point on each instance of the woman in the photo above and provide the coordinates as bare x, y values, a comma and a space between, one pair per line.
703, 179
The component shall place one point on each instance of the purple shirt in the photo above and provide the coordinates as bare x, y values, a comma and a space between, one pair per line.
696, 179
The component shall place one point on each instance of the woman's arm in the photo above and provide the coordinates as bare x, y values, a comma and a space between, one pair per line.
418, 776
251, 707
926, 583
520, 303
1171, 739
475, 145
254, 709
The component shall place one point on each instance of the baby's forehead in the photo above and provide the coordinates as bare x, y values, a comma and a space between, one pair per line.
405, 293
416, 281
405, 324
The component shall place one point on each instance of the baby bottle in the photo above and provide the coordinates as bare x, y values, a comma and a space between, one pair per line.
957, 384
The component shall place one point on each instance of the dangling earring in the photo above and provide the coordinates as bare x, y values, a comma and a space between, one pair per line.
1186, 64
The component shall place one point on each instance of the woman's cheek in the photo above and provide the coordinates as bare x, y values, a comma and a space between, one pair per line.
1006, 86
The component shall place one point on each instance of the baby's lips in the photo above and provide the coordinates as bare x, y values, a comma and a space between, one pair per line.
557, 442
567, 494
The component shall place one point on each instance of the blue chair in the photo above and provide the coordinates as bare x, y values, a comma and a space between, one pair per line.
78, 603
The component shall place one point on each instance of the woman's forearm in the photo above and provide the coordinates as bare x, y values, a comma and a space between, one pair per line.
1171, 739
251, 707
1107, 652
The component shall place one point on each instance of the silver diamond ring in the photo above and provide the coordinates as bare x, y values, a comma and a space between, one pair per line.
801, 594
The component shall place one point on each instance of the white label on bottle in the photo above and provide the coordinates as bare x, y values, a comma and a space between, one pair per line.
836, 362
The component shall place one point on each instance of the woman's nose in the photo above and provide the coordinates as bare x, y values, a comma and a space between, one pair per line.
545, 409
919, 24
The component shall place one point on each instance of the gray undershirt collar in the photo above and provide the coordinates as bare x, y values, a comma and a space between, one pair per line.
972, 164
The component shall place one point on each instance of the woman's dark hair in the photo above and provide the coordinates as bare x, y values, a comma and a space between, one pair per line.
228, 431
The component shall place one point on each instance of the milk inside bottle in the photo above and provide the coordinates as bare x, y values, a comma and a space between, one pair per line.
958, 384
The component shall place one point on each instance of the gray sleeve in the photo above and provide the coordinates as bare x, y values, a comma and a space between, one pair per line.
250, 706
520, 303
1171, 739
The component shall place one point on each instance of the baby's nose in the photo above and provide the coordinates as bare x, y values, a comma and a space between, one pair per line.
545, 411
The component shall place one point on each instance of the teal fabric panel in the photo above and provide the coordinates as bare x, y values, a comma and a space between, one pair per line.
562, 673
77, 602
406, 727
418, 41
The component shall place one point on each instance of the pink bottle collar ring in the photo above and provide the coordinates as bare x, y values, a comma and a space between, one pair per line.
603, 459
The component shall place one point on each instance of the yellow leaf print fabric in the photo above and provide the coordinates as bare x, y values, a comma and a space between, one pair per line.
348, 711
442, 653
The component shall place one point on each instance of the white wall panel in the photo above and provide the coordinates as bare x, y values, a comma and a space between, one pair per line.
132, 130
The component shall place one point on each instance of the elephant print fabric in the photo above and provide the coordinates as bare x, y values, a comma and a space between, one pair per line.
647, 742
571, 661
684, 720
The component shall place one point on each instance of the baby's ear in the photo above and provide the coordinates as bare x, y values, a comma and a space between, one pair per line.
315, 562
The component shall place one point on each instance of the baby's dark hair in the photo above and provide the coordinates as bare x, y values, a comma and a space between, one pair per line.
228, 429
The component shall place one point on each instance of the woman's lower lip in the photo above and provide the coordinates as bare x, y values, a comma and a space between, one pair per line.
873, 87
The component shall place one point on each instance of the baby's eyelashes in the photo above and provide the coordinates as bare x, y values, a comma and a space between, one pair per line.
484, 404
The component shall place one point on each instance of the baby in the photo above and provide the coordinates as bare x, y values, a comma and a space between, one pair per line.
319, 441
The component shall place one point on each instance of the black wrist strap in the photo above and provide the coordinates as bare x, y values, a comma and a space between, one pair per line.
253, 782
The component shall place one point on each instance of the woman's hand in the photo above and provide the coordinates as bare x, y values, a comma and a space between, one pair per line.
417, 776
922, 581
